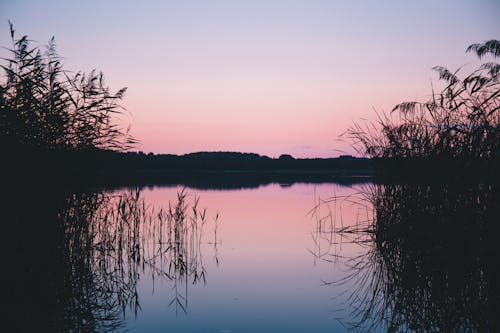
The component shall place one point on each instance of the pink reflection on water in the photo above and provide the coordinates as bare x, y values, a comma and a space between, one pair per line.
274, 223
268, 272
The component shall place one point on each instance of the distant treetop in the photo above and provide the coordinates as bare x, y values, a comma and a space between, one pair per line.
286, 157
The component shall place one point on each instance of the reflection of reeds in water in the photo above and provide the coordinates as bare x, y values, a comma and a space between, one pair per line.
110, 240
431, 261
331, 231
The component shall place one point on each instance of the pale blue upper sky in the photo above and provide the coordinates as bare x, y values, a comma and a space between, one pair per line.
264, 76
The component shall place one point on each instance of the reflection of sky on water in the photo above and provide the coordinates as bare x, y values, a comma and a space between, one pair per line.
267, 280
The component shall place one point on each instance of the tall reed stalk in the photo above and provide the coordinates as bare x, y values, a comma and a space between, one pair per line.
109, 241
44, 106
461, 122
429, 260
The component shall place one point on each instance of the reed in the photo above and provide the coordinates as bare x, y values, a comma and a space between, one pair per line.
125, 237
461, 122
92, 250
429, 262
44, 106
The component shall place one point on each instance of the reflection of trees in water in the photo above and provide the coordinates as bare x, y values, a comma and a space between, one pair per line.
431, 260
104, 243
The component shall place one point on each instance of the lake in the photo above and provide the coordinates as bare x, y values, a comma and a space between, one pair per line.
262, 276
273, 258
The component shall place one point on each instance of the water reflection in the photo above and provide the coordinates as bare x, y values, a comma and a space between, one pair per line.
430, 262
418, 258
78, 258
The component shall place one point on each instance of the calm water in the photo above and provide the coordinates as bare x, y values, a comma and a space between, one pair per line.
268, 259
265, 279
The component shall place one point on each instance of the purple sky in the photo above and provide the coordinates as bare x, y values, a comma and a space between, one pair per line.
269, 77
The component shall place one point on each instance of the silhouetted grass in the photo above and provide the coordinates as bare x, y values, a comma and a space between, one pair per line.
460, 123
430, 261
92, 249
47, 107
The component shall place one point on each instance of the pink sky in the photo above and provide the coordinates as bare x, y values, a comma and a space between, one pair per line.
269, 77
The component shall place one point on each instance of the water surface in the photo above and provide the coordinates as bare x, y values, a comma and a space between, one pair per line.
263, 276
274, 258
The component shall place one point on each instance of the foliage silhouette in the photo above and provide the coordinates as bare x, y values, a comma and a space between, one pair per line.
78, 257
46, 107
460, 123
430, 262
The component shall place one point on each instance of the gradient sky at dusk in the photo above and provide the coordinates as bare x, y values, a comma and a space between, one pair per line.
269, 77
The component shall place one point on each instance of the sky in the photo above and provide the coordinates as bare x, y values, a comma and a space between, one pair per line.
271, 77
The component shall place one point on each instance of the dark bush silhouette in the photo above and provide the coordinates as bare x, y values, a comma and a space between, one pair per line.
43, 106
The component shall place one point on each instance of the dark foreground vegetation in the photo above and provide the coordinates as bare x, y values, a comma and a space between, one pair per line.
76, 259
454, 133
430, 258
44, 107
